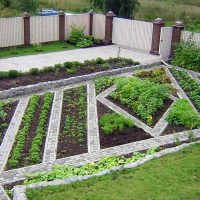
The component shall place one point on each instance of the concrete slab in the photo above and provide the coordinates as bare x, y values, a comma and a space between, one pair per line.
24, 63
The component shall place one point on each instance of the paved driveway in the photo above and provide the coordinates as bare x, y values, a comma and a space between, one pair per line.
24, 63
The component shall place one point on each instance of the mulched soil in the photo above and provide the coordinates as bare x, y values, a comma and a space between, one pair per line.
68, 145
10, 110
8, 83
156, 116
171, 129
128, 135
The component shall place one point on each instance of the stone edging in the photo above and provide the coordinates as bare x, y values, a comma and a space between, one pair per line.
25, 90
19, 192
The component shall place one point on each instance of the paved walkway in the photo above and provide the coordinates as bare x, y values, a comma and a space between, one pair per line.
24, 63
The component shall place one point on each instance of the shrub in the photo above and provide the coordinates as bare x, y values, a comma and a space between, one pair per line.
58, 66
34, 71
113, 122
187, 55
99, 61
47, 69
4, 75
13, 74
84, 43
183, 114
68, 65
77, 34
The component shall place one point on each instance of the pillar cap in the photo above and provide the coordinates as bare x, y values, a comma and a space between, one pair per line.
91, 12
61, 13
25, 14
158, 21
110, 14
179, 24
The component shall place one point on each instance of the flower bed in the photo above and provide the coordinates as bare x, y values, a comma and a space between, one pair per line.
28, 146
7, 109
73, 128
15, 78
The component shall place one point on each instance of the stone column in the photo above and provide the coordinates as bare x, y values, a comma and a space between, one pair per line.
27, 36
109, 26
176, 35
61, 26
157, 25
91, 13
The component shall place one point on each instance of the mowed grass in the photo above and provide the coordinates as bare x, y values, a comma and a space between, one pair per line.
172, 177
32, 50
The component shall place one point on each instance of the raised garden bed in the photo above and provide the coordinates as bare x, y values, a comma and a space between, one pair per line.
73, 127
14, 78
127, 135
29, 142
7, 110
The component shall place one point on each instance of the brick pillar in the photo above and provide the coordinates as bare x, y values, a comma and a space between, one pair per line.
176, 35
27, 37
109, 26
91, 13
61, 26
157, 25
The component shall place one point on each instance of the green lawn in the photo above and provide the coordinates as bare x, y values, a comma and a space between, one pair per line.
173, 177
31, 50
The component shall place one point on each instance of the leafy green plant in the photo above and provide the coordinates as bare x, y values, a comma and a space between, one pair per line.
34, 71
183, 114
38, 47
191, 136
187, 55
13, 74
114, 122
142, 96
84, 43
35, 151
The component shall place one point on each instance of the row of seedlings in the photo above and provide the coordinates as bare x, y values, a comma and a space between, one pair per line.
30, 139
72, 139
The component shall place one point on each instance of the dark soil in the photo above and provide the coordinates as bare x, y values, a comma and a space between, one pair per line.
10, 110
171, 129
156, 116
8, 83
69, 145
128, 135
31, 134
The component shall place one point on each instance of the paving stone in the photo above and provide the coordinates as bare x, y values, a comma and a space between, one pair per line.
3, 194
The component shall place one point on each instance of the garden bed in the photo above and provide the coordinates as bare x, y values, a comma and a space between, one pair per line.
127, 135
7, 110
29, 142
14, 78
73, 127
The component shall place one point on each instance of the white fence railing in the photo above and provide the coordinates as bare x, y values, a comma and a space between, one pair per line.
185, 35
80, 20
99, 22
11, 31
44, 29
132, 33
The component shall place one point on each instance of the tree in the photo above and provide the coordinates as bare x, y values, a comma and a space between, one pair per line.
122, 8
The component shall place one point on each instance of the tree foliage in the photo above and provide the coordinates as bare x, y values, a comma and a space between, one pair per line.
122, 8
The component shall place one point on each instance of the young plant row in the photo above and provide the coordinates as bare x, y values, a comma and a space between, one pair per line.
35, 151
20, 140
142, 96
189, 85
65, 171
183, 114
72, 67
114, 122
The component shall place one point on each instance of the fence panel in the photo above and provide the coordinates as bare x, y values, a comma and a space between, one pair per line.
165, 42
80, 20
99, 22
185, 35
11, 31
44, 29
132, 33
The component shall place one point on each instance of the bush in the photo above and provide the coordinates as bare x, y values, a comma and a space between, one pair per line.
34, 71
4, 75
187, 55
84, 43
183, 114
77, 34
13, 74
113, 122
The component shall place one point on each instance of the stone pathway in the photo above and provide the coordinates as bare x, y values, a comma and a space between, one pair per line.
24, 63
3, 194
13, 128
54, 127
94, 151
93, 128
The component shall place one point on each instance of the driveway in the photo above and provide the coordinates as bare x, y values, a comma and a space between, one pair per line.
24, 63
